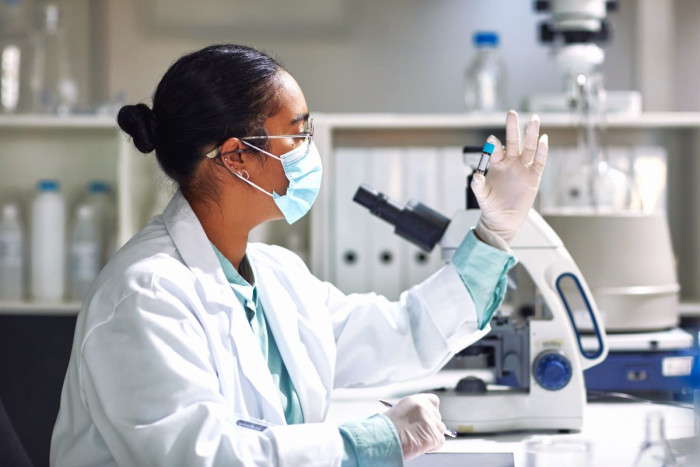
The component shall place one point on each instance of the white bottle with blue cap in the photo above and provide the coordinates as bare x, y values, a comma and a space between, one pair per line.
486, 83
48, 243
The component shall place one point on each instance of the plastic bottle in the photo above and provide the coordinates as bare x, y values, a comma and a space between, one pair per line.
48, 243
53, 87
485, 82
12, 259
85, 251
99, 197
655, 452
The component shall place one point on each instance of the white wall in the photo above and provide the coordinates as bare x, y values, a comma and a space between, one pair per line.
687, 91
384, 56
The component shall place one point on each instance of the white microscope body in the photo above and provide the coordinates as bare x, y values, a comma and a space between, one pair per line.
556, 395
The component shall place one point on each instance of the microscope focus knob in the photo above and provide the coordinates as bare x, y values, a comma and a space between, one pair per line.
552, 370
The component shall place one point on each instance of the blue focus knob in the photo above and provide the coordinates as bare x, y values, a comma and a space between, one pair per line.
552, 370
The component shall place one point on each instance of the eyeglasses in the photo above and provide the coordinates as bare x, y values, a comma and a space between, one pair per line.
307, 133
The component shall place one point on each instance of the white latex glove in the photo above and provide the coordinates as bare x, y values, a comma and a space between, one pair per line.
507, 192
418, 423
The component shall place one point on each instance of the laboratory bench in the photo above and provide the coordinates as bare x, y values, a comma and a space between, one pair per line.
615, 430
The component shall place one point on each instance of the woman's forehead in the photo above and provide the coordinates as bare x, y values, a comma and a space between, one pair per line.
291, 99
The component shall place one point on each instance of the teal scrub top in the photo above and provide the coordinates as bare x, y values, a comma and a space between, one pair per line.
247, 294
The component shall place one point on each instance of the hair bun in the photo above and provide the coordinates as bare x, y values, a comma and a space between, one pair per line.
139, 122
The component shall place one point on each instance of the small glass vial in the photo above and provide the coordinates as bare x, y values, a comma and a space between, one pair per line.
655, 452
485, 158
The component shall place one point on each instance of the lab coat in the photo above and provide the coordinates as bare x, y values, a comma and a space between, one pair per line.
164, 362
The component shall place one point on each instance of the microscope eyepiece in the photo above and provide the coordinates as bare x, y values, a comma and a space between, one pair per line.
417, 223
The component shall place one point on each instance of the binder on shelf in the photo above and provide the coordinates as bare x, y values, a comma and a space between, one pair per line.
385, 272
423, 184
453, 181
351, 258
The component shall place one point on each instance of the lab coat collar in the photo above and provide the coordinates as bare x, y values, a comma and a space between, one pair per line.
193, 245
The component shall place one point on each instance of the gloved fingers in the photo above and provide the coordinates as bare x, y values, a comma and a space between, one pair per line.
512, 134
478, 186
410, 445
435, 436
427, 407
541, 154
497, 155
530, 142
432, 398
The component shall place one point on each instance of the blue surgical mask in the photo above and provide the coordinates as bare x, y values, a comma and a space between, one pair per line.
302, 166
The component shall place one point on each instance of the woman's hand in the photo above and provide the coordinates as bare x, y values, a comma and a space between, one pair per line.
507, 192
418, 423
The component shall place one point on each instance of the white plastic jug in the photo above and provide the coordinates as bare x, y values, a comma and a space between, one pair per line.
48, 243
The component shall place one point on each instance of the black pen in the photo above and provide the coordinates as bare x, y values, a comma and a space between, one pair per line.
449, 432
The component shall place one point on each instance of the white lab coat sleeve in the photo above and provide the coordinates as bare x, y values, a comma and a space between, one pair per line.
152, 390
380, 342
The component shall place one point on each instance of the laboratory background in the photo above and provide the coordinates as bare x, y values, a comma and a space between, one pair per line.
593, 356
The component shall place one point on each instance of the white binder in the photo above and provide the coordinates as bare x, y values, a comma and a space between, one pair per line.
423, 177
387, 168
351, 222
453, 182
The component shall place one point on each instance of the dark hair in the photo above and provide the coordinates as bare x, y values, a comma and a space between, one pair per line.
204, 98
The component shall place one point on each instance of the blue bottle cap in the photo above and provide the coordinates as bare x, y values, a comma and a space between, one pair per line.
98, 186
485, 38
47, 185
488, 148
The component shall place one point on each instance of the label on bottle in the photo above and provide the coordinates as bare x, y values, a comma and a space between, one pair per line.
10, 249
84, 261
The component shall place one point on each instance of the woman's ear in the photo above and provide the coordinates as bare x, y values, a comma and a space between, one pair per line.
231, 154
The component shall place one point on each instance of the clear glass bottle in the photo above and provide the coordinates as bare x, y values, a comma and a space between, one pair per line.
99, 196
587, 180
54, 89
485, 87
85, 251
12, 257
14, 56
655, 452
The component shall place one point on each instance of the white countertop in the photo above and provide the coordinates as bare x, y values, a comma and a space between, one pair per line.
616, 430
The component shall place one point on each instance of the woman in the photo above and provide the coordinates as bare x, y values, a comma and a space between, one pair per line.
197, 348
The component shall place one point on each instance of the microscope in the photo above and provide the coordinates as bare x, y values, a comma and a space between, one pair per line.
534, 348
575, 29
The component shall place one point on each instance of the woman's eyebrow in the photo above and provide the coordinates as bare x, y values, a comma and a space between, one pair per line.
300, 118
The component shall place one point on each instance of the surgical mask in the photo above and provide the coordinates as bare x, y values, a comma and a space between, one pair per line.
302, 166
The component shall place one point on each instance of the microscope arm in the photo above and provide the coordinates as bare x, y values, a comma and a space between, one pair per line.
542, 253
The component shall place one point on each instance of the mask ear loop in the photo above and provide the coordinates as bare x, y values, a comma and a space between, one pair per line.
217, 151
254, 185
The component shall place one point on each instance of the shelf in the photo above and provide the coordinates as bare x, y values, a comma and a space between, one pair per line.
491, 120
39, 121
40, 308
